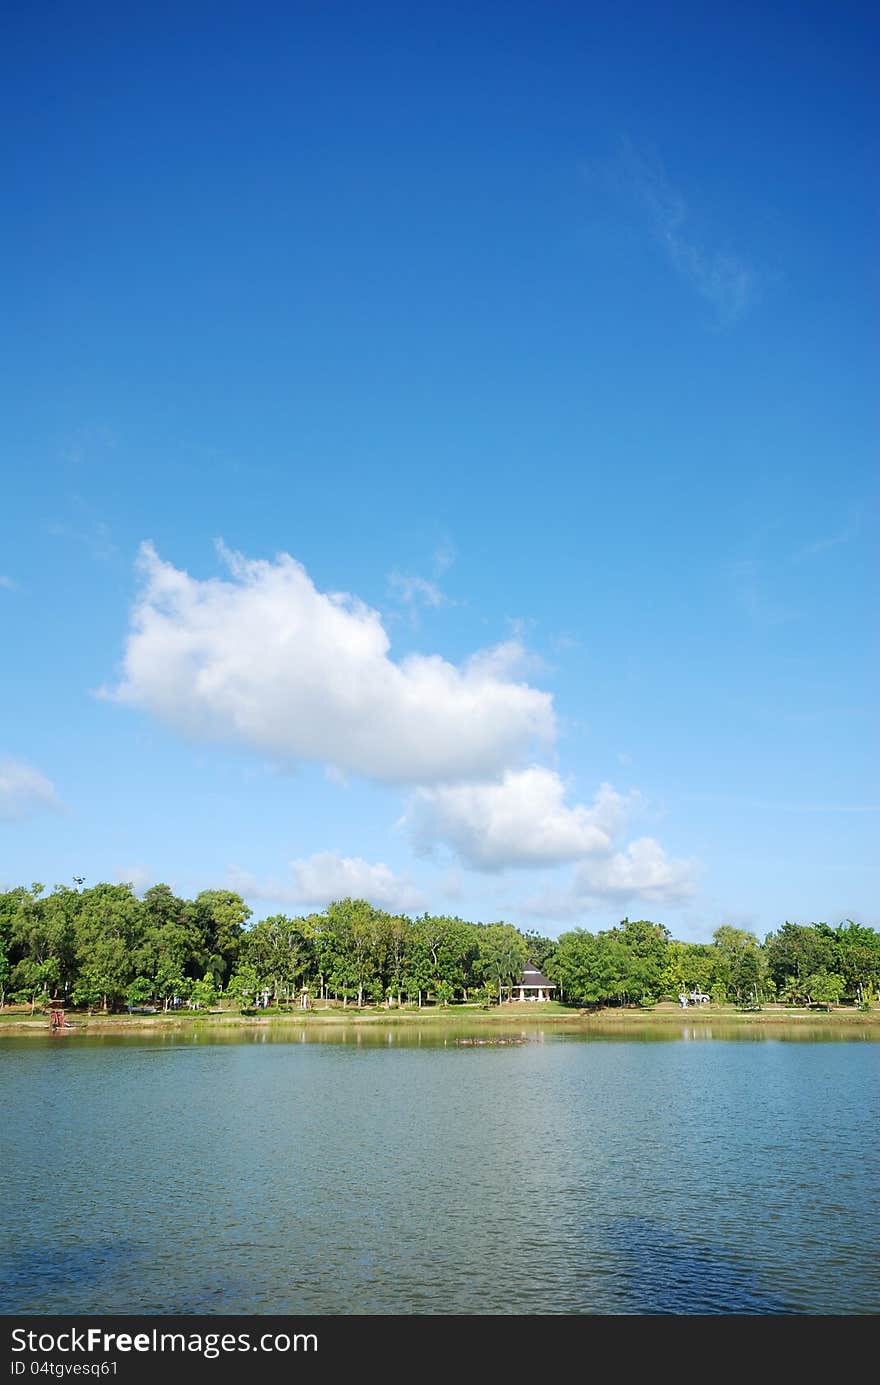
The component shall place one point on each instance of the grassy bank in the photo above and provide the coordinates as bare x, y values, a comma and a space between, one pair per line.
547, 1015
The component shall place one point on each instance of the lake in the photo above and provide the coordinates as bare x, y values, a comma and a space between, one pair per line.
372, 1170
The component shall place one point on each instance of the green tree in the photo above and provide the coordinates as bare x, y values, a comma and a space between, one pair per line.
109, 935
397, 949
501, 955
171, 949
451, 945
356, 956
443, 993
539, 949
797, 951
825, 988
418, 968
689, 967
589, 968
281, 952
858, 959
139, 992
203, 993
42, 940
244, 984
644, 948
60, 910
10, 903
220, 917
739, 962
34, 980
5, 970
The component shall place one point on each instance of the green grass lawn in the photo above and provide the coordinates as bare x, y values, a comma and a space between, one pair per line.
471, 1013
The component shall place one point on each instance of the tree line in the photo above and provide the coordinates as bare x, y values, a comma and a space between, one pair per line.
105, 947
798, 964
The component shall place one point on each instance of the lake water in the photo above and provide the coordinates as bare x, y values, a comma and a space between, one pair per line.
377, 1172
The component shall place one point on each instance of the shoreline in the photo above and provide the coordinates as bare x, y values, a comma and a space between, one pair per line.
525, 1014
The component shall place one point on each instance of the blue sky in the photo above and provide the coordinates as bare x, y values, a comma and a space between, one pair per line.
440, 459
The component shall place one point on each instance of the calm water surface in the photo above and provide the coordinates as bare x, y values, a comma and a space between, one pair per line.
372, 1172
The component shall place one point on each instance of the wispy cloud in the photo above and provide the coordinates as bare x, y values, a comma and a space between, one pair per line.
823, 545
444, 557
751, 593
413, 592
451, 885
721, 277
86, 528
772, 575
744, 803
8, 583
140, 877
562, 642
244, 882
24, 791
94, 440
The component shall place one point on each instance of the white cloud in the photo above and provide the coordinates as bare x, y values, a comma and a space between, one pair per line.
521, 821
244, 883
265, 659
24, 791
317, 880
8, 583
327, 876
138, 876
553, 902
641, 871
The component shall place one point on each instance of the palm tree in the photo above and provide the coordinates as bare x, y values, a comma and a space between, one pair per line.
504, 965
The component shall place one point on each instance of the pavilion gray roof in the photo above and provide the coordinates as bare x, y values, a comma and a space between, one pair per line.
532, 977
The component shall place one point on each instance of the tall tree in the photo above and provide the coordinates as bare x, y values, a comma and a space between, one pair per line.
220, 916
502, 954
589, 967
172, 949
451, 944
281, 952
109, 934
43, 937
739, 961
796, 951
858, 959
644, 946
356, 952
